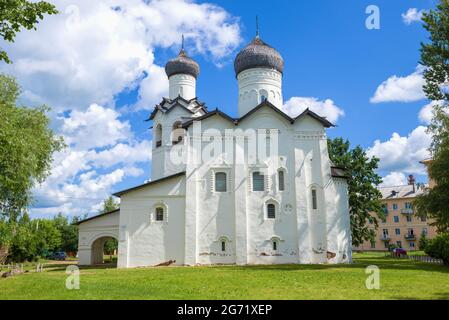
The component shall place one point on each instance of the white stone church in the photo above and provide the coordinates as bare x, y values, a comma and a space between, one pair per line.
256, 189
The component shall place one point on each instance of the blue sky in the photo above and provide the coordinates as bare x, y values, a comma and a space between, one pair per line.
328, 53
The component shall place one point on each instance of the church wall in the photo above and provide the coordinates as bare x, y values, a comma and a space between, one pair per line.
161, 162
338, 223
261, 231
144, 241
210, 215
89, 231
314, 167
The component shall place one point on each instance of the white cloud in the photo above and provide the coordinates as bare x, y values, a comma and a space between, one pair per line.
426, 113
403, 154
394, 179
83, 175
94, 50
412, 15
152, 88
401, 89
96, 127
326, 108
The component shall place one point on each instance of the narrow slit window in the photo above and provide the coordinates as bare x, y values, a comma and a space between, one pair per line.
314, 200
275, 245
271, 211
159, 214
281, 180
223, 246
220, 182
258, 181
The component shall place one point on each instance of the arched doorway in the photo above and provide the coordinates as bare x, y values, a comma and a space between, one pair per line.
104, 250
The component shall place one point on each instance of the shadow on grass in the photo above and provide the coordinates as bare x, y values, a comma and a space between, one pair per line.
62, 267
359, 263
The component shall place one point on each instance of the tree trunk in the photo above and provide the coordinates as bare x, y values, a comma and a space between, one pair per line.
4, 250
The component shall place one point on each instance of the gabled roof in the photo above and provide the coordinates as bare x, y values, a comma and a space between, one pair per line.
207, 115
268, 104
264, 104
326, 123
97, 216
173, 102
120, 193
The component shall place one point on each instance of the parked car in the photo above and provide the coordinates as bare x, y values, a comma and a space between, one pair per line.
399, 252
60, 255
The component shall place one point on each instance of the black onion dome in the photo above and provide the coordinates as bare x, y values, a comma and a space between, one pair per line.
258, 54
182, 64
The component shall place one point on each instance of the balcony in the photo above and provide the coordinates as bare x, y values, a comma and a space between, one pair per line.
407, 211
385, 237
410, 237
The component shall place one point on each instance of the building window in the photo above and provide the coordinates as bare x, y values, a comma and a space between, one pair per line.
412, 245
399, 244
271, 211
159, 214
314, 200
220, 182
177, 133
398, 231
410, 232
409, 218
275, 245
423, 219
158, 135
395, 206
258, 181
385, 232
424, 231
396, 219
281, 178
223, 245
386, 245
408, 205
373, 244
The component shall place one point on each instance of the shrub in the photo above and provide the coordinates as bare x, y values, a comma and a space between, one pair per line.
423, 241
438, 248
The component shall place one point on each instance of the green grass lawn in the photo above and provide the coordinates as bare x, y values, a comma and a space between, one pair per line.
400, 279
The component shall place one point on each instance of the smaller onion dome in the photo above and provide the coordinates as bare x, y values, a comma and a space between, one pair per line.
258, 54
182, 64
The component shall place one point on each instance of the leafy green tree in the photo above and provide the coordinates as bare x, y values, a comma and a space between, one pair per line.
69, 232
109, 205
438, 248
17, 14
364, 197
435, 58
26, 147
423, 241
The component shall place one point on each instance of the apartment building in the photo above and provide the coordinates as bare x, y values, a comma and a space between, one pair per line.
401, 226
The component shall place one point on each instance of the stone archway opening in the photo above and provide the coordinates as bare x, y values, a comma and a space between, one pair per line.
104, 251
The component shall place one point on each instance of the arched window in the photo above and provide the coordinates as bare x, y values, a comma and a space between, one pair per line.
258, 181
314, 200
223, 245
271, 211
263, 95
177, 133
275, 245
220, 182
158, 135
159, 214
281, 180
